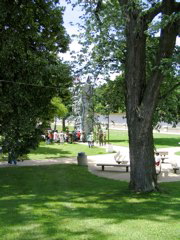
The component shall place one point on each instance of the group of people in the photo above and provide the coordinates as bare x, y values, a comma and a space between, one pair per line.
75, 136
66, 136
99, 137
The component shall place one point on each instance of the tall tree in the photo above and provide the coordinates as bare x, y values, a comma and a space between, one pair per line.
142, 92
31, 74
117, 23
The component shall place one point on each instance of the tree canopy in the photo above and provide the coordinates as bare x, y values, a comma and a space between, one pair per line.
31, 74
105, 35
138, 38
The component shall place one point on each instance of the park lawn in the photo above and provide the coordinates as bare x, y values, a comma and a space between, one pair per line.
67, 202
117, 137
120, 138
161, 140
55, 150
177, 153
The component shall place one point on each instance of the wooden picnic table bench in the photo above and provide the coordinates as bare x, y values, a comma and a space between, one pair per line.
163, 155
120, 162
175, 169
119, 158
113, 165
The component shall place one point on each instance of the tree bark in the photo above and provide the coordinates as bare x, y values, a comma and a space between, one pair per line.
63, 124
143, 175
142, 93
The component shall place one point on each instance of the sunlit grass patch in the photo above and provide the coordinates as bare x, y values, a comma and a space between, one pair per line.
120, 137
67, 202
55, 150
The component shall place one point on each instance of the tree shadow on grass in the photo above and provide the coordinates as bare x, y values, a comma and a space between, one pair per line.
119, 141
67, 202
51, 152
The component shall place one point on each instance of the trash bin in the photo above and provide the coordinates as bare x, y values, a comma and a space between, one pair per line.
82, 159
109, 148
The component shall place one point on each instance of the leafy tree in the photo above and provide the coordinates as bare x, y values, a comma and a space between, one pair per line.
59, 109
121, 31
31, 74
111, 94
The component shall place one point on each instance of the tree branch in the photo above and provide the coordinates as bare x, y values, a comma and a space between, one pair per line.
152, 12
123, 2
96, 12
177, 7
167, 42
169, 91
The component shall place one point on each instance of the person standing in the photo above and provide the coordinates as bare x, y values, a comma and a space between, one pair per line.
104, 138
12, 157
78, 134
55, 136
100, 137
157, 162
50, 136
47, 138
61, 137
90, 140
83, 136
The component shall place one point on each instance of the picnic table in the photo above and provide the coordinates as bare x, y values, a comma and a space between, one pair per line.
163, 155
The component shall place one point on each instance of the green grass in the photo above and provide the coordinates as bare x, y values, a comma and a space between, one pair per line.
177, 153
166, 140
119, 137
65, 202
45, 151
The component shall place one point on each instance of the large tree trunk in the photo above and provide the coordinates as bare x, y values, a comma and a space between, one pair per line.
142, 93
143, 176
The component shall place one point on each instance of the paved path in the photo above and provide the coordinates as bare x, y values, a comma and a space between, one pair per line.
166, 175
41, 162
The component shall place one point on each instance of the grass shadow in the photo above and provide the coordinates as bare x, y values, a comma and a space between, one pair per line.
60, 200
